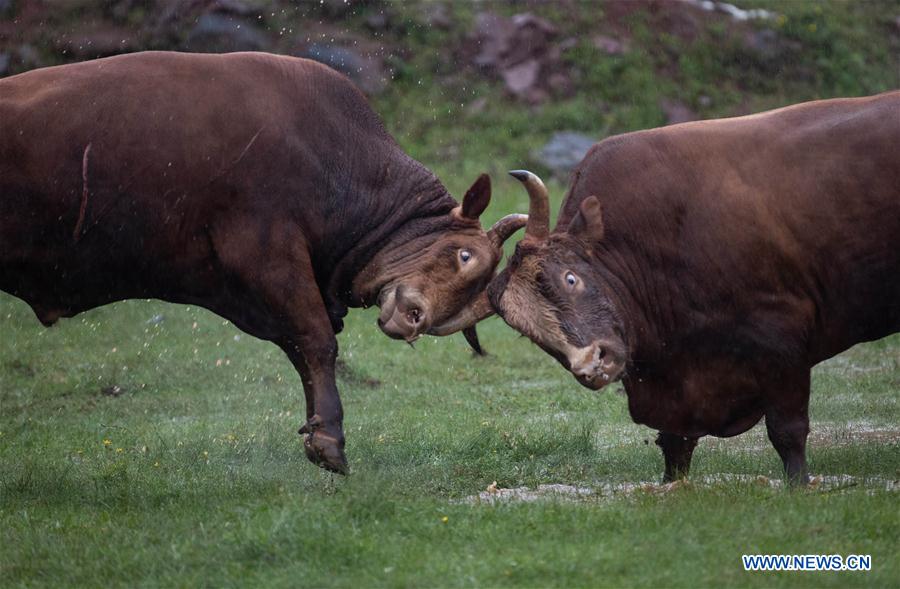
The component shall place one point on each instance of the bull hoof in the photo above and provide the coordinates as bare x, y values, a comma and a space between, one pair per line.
323, 449
326, 452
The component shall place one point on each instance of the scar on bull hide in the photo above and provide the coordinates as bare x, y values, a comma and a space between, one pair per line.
76, 233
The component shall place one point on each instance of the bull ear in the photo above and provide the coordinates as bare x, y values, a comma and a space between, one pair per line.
588, 221
477, 197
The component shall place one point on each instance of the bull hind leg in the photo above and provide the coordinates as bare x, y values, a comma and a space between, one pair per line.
677, 451
787, 423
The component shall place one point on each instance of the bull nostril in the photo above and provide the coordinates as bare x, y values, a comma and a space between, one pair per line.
414, 315
600, 353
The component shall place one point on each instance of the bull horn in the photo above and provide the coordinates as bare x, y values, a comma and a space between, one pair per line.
538, 227
502, 229
471, 335
478, 309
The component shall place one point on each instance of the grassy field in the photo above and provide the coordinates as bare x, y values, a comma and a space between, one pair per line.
146, 444
194, 475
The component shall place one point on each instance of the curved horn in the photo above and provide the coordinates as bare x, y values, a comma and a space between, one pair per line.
538, 227
480, 308
505, 227
471, 336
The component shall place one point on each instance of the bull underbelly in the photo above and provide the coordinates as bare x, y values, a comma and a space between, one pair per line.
721, 401
60, 289
696, 424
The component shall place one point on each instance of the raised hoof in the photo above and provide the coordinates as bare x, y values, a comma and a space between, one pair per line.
325, 451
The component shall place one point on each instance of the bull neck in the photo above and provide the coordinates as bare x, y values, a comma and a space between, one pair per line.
411, 215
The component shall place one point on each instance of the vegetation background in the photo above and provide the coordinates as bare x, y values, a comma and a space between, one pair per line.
151, 444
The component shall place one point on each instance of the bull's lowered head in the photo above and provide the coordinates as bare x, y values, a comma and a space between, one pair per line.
433, 282
555, 292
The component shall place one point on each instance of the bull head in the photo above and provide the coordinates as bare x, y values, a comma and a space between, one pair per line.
435, 282
555, 291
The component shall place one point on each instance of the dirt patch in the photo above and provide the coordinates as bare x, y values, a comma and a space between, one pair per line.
495, 494
354, 377
20, 368
561, 492
112, 391
607, 491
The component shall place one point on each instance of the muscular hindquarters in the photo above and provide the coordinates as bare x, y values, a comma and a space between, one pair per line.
156, 173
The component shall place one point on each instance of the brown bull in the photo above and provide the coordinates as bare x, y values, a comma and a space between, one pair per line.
263, 188
710, 265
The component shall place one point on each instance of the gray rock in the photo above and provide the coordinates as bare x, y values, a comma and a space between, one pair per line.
435, 15
366, 72
608, 45
564, 151
28, 58
379, 21
738, 14
506, 42
223, 33
522, 76
520, 50
764, 42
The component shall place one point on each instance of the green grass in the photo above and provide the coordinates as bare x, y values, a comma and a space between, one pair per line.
204, 481
825, 49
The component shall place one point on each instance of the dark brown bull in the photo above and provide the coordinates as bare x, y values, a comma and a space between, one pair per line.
710, 265
263, 188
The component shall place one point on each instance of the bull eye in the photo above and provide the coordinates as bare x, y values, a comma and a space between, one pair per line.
571, 279
465, 256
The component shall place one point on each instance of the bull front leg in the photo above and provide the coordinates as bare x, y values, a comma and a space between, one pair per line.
787, 423
288, 309
678, 451
314, 358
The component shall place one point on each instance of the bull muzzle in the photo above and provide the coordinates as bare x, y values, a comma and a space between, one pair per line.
404, 314
598, 364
